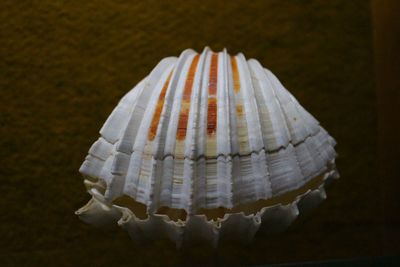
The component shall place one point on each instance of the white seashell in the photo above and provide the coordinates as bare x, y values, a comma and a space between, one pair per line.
207, 147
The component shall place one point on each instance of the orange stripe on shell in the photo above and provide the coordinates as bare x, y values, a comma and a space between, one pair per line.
159, 108
185, 104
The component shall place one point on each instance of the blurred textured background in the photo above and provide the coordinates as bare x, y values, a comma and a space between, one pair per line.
64, 65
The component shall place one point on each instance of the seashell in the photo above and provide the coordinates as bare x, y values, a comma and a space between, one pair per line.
207, 148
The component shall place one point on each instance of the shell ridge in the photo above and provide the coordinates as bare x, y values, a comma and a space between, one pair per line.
212, 120
112, 128
242, 140
139, 167
227, 89
176, 105
313, 134
101, 149
188, 145
317, 157
232, 108
121, 160
330, 143
130, 132
155, 185
191, 139
216, 170
285, 173
296, 126
275, 132
94, 162
313, 123
152, 164
233, 124
258, 167
162, 128
241, 120
223, 129
323, 146
173, 177
94, 166
304, 157
310, 133
300, 166
198, 186
262, 167
305, 161
295, 158
163, 177
251, 113
224, 167
124, 148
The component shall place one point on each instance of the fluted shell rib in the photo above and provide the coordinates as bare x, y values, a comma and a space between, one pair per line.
205, 131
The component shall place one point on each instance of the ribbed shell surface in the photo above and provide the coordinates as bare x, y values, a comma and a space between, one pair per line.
208, 130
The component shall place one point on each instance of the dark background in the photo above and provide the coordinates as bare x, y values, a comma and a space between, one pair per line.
65, 64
